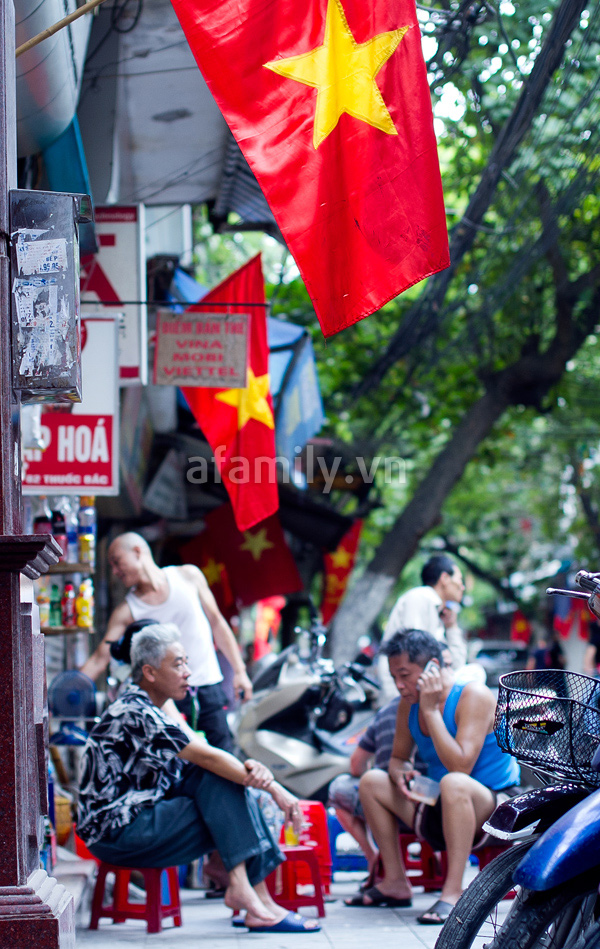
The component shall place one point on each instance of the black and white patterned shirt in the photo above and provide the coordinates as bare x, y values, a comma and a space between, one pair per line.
129, 762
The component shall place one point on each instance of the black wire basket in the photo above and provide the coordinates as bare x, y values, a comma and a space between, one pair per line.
550, 720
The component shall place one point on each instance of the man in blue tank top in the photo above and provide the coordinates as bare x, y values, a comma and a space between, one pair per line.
451, 725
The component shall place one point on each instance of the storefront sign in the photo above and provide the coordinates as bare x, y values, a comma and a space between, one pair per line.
115, 278
202, 349
81, 448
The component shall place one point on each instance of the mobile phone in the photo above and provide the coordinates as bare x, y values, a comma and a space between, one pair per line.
432, 664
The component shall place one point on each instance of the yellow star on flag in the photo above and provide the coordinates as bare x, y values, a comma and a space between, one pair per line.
250, 402
344, 73
256, 543
212, 571
341, 558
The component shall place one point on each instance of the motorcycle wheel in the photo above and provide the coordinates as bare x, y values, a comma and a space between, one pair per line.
477, 917
553, 919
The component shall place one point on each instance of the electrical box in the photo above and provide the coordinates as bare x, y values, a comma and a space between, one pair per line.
46, 330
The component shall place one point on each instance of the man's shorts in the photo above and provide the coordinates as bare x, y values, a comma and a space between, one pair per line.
343, 793
428, 819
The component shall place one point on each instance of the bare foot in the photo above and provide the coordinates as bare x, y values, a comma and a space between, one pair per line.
239, 896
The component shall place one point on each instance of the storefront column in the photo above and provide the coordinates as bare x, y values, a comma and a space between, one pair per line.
35, 910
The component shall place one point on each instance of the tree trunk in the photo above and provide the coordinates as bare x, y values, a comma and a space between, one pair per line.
364, 602
527, 381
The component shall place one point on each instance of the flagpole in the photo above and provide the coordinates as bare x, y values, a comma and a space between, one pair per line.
45, 34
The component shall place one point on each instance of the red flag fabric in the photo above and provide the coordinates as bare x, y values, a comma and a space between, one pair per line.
259, 562
520, 628
239, 423
330, 105
338, 567
199, 551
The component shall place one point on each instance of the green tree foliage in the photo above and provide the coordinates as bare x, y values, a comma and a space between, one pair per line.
516, 114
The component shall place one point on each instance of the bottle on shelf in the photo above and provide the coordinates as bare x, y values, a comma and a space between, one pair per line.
69, 612
59, 531
42, 522
86, 519
55, 618
72, 529
43, 602
84, 604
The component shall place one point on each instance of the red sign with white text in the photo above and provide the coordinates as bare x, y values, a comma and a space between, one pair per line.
81, 447
78, 453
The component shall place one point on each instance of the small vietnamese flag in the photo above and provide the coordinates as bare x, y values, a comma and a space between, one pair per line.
239, 423
330, 105
338, 567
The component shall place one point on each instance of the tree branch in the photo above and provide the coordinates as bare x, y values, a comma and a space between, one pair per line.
411, 331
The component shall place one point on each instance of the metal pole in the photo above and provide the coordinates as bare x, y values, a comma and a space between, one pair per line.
56, 27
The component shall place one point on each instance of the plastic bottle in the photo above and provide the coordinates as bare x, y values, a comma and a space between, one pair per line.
59, 531
86, 520
43, 602
69, 613
55, 607
84, 604
72, 529
42, 522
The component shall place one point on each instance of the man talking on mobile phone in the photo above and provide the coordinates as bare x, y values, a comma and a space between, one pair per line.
452, 727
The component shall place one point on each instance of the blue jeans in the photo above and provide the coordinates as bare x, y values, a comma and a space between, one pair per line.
203, 812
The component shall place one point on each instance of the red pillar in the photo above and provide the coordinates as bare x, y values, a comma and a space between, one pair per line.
35, 910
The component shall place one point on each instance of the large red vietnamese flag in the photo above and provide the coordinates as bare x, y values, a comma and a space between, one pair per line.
329, 103
238, 423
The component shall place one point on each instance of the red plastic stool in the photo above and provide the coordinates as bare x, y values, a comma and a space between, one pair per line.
153, 910
314, 834
283, 882
429, 868
486, 854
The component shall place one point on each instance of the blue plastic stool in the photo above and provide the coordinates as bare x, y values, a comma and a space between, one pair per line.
349, 862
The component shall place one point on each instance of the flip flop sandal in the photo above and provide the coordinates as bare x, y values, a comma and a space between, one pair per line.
437, 914
292, 923
377, 898
238, 919
215, 893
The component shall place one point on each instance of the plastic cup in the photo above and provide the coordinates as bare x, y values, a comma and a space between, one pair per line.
425, 790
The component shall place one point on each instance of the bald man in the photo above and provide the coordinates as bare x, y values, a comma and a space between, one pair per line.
178, 595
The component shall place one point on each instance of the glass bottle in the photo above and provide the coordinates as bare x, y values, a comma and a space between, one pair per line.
42, 522
55, 607
59, 531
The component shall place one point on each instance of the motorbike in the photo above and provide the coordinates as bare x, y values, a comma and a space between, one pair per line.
549, 720
559, 877
306, 717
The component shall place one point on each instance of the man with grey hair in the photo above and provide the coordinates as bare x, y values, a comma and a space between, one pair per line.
152, 797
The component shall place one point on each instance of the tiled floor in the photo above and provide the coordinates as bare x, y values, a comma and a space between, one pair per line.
206, 923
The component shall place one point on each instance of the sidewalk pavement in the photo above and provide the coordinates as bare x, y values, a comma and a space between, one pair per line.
207, 923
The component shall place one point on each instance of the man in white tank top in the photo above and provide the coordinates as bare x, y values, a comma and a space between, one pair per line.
178, 595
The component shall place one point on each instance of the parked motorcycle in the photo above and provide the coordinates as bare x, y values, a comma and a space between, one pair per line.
559, 879
306, 716
549, 720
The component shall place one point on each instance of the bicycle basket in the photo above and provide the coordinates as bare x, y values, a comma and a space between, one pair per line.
550, 719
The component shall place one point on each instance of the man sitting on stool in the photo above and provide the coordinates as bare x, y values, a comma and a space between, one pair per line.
150, 797
452, 727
